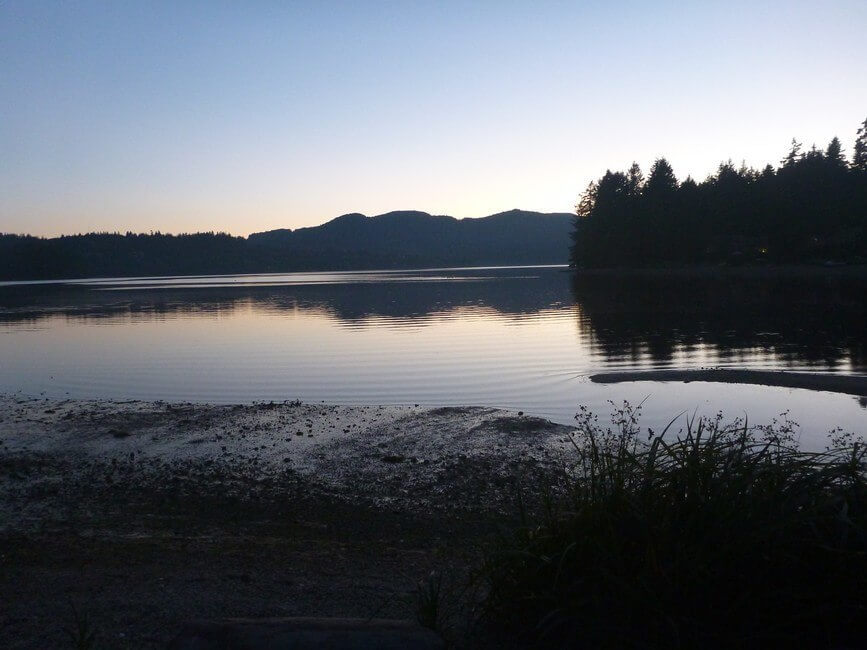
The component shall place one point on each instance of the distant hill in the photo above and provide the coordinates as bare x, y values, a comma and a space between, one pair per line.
417, 238
402, 239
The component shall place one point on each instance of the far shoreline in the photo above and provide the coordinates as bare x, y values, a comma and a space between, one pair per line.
380, 270
817, 269
858, 270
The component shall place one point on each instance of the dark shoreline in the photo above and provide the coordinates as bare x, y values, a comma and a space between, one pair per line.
855, 270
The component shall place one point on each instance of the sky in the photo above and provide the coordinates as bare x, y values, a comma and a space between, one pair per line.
247, 116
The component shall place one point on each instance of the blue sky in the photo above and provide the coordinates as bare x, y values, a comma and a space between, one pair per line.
184, 116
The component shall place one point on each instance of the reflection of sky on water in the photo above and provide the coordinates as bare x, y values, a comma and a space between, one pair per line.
520, 338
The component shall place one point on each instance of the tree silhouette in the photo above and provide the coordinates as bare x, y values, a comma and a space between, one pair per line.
812, 208
634, 180
859, 158
834, 153
794, 156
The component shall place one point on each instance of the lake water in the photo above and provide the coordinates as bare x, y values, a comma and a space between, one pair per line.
523, 338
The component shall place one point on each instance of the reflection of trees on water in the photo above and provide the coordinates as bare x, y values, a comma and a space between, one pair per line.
522, 292
810, 319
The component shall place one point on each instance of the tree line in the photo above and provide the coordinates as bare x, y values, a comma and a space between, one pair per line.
811, 208
24, 257
394, 240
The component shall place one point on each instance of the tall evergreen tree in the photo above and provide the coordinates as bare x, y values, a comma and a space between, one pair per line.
794, 156
583, 210
634, 180
658, 233
587, 200
859, 156
662, 180
834, 153
814, 154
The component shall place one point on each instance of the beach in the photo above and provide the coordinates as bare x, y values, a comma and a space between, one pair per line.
143, 515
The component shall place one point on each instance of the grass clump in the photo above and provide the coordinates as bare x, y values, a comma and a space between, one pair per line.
82, 634
718, 536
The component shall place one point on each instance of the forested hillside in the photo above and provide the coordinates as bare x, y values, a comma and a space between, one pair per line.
353, 241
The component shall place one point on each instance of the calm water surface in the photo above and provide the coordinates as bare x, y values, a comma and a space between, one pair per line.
522, 338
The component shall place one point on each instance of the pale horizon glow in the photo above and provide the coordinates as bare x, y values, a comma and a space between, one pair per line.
191, 116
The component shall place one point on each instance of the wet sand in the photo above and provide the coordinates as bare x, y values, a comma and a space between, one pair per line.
147, 514
848, 384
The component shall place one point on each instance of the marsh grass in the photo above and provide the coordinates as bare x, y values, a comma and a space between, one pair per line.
82, 633
428, 601
718, 535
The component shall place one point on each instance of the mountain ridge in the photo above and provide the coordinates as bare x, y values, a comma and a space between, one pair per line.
401, 213
414, 237
353, 241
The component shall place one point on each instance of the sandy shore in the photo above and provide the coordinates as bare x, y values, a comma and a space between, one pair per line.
145, 514
848, 384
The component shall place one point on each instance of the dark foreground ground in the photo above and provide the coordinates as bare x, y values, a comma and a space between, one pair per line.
138, 516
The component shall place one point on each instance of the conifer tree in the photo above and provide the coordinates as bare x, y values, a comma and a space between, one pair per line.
859, 157
834, 153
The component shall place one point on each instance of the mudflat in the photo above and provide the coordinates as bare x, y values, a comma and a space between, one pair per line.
142, 515
835, 383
